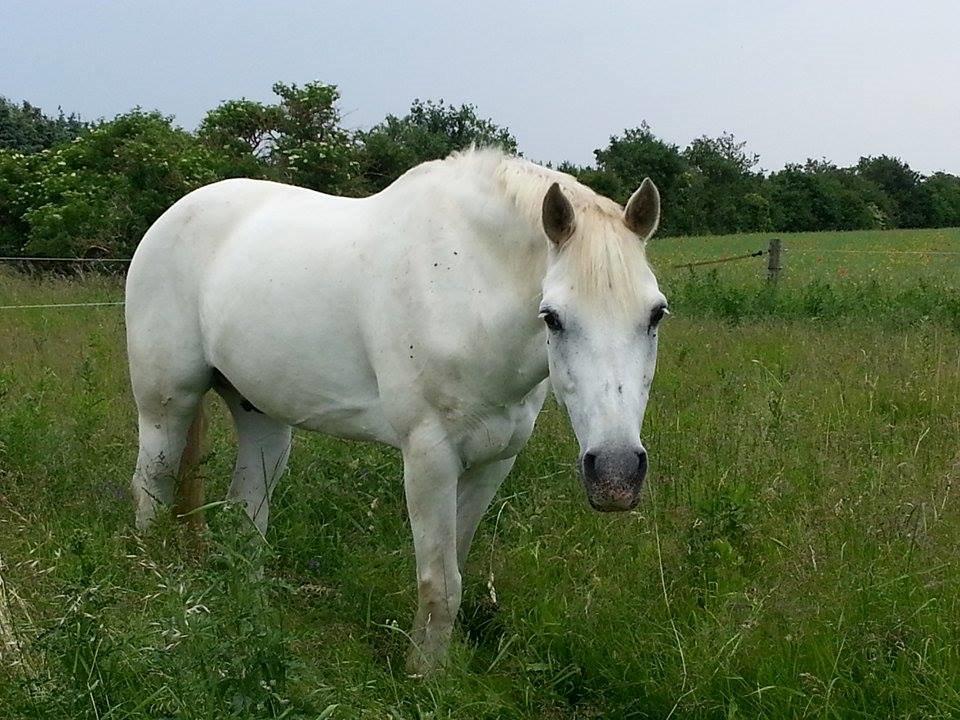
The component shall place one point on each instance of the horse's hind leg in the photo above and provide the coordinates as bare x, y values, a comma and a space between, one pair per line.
263, 449
164, 420
169, 377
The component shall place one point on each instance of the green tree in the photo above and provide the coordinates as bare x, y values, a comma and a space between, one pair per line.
602, 181
24, 128
637, 154
311, 148
722, 193
821, 196
298, 140
794, 198
902, 185
429, 131
244, 132
943, 193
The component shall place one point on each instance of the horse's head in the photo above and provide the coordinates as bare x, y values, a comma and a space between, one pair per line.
602, 307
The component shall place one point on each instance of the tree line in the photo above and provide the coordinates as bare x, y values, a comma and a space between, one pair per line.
72, 187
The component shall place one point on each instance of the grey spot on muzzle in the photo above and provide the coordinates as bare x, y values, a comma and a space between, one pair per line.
613, 477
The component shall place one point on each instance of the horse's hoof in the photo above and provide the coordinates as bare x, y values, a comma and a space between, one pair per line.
421, 662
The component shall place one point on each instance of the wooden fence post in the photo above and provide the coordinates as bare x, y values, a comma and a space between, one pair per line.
773, 262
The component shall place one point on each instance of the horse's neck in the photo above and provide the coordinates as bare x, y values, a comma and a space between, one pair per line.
473, 200
519, 251
509, 255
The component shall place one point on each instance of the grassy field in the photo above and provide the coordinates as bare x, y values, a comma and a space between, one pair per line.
889, 257
795, 555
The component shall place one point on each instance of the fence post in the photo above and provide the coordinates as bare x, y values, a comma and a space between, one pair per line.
773, 262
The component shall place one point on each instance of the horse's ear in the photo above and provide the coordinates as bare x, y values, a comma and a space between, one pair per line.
559, 220
642, 214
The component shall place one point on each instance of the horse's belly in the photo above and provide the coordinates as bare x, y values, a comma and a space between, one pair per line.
310, 400
355, 423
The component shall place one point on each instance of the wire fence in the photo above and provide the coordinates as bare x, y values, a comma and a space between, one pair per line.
62, 260
11, 258
758, 253
61, 305
830, 251
772, 252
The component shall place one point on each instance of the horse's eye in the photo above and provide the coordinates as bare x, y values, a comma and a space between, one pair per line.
552, 320
657, 315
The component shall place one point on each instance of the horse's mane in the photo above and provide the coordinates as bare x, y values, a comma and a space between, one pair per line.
602, 259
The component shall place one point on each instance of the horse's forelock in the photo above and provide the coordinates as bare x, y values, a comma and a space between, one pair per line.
605, 266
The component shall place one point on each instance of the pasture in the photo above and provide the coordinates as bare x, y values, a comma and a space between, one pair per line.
795, 554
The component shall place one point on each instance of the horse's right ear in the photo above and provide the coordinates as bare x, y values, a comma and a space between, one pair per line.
559, 220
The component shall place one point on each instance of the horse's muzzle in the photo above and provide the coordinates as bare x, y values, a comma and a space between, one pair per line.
613, 477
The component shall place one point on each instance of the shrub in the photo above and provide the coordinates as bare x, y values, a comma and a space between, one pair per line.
103, 189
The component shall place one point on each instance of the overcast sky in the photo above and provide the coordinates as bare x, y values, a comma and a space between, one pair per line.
805, 78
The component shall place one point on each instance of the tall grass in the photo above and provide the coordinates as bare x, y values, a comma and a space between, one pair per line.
710, 294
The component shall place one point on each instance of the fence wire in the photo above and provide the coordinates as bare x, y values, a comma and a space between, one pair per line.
60, 305
10, 258
758, 253
700, 263
827, 251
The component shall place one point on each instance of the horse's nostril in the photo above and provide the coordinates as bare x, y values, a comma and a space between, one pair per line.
641, 464
590, 465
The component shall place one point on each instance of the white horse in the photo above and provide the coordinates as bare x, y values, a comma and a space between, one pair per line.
428, 317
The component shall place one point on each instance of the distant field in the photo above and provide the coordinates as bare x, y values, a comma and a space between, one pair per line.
795, 555
897, 277
828, 256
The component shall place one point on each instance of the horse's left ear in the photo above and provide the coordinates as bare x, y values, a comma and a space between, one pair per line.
642, 214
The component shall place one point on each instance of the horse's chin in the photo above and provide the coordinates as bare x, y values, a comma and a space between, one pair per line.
614, 502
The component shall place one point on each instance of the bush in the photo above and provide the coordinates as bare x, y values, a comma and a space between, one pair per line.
101, 190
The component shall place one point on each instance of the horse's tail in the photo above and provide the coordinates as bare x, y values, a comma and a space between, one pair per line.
189, 496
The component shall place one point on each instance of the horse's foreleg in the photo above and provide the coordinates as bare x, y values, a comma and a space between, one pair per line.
430, 472
475, 492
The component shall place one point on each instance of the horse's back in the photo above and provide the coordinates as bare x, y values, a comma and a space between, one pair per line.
182, 248
199, 223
